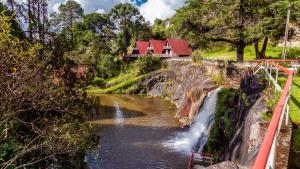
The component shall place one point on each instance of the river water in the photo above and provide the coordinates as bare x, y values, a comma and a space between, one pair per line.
141, 133
132, 130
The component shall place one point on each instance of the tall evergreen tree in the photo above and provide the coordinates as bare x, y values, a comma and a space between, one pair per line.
66, 17
124, 15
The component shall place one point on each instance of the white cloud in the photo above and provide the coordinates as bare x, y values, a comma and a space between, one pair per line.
151, 9
161, 9
89, 5
55, 7
101, 11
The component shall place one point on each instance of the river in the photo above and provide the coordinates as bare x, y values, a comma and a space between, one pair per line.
132, 130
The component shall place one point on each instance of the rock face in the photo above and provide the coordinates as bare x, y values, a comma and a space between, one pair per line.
185, 84
223, 165
248, 131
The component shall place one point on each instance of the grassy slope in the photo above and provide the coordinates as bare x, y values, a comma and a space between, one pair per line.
119, 83
295, 99
230, 54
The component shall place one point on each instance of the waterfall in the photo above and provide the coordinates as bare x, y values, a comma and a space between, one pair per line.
119, 115
195, 138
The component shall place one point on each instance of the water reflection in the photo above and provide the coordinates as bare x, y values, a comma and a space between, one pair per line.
119, 117
132, 130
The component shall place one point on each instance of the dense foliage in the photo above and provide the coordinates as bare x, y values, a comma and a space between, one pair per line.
147, 64
42, 121
126, 82
109, 66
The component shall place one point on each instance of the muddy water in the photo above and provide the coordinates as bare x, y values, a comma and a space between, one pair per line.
132, 130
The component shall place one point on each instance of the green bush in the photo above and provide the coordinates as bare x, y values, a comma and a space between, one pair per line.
293, 53
148, 63
98, 81
267, 116
218, 77
108, 66
197, 56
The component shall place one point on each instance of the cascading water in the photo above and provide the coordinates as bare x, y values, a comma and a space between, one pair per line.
196, 136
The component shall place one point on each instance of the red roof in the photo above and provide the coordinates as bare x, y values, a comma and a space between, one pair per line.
142, 46
180, 47
158, 46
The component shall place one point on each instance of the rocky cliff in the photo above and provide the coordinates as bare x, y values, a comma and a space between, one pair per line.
239, 124
183, 83
248, 128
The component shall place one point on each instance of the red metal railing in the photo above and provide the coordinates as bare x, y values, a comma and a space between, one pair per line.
266, 146
191, 161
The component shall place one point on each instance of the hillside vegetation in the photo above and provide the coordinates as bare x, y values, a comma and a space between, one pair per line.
126, 80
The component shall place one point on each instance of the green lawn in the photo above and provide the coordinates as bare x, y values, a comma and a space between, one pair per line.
230, 54
295, 117
295, 99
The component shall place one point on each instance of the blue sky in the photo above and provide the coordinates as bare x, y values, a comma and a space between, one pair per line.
150, 9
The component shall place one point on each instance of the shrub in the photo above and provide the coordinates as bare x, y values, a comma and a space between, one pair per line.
218, 78
293, 53
197, 56
108, 66
98, 81
148, 63
267, 116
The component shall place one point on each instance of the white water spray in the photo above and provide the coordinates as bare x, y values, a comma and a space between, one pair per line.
196, 137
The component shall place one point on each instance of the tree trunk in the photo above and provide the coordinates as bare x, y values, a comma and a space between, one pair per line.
240, 52
71, 33
30, 20
260, 54
256, 46
264, 48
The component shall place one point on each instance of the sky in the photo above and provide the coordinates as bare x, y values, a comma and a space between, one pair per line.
150, 9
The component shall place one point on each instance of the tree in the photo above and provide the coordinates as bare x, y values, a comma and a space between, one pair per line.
42, 120
273, 23
239, 22
16, 28
97, 25
124, 16
141, 29
35, 13
159, 29
92, 38
64, 20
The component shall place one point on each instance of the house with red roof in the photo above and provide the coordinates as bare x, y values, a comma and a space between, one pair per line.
140, 48
176, 48
156, 47
163, 48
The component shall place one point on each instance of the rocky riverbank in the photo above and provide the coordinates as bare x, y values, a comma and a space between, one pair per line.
184, 84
